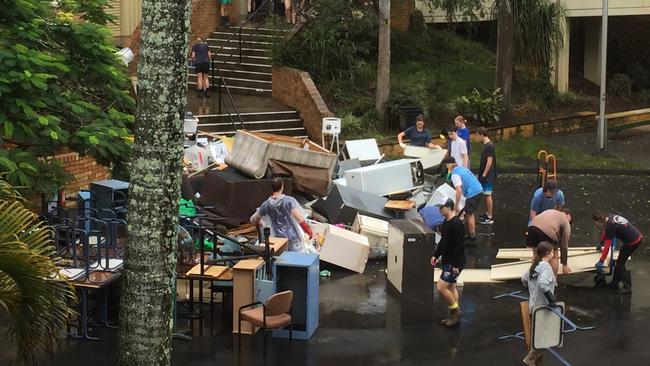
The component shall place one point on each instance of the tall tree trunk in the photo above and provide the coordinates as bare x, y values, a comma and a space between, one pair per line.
383, 60
505, 50
150, 262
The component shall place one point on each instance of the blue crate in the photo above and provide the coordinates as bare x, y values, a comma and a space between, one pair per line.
298, 272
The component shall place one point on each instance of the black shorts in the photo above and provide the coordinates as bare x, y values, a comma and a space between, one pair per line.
203, 67
535, 236
471, 204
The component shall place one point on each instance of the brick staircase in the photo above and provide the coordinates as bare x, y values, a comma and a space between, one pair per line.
249, 80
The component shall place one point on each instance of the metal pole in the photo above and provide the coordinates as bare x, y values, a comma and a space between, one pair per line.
602, 123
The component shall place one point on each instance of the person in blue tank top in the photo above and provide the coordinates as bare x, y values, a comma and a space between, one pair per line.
467, 186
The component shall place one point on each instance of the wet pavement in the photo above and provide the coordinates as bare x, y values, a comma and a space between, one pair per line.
363, 322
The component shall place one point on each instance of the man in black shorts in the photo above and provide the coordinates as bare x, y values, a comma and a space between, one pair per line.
467, 186
452, 251
202, 56
553, 226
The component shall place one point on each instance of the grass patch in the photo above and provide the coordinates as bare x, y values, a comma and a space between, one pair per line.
522, 153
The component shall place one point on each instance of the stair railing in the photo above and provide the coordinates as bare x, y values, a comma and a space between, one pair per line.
220, 80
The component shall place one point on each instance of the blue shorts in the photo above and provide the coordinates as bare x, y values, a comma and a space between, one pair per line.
448, 274
487, 188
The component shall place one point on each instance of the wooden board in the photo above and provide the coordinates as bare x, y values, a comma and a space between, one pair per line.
210, 271
514, 270
527, 253
400, 205
469, 276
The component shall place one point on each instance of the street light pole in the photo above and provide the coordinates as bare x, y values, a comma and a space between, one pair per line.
602, 123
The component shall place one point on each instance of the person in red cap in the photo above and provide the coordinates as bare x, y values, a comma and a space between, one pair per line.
630, 238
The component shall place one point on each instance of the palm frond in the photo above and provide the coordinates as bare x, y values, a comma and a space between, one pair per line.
37, 302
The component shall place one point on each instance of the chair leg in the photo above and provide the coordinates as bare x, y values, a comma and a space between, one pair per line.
290, 332
239, 335
265, 341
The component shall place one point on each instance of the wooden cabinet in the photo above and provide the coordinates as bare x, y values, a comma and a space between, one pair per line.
246, 274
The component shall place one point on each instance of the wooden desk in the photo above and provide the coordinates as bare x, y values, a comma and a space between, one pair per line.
244, 291
96, 280
278, 244
210, 272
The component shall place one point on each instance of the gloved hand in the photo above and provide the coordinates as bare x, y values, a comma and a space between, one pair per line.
402, 145
550, 298
599, 266
305, 227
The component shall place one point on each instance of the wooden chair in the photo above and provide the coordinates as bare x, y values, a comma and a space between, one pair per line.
275, 314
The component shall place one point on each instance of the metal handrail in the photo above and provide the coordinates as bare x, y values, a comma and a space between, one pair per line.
220, 79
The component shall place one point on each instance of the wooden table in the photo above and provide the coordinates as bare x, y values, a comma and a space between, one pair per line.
96, 280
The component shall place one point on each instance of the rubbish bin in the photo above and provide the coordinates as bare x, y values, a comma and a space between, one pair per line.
407, 116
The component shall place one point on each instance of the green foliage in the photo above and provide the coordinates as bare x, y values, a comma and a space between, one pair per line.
405, 93
481, 108
338, 43
417, 25
61, 85
38, 305
620, 85
466, 10
538, 31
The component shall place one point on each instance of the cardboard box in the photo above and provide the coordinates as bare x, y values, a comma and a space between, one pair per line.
376, 231
345, 249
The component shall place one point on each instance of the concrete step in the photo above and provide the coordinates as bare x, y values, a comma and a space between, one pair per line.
254, 125
251, 117
218, 42
245, 66
234, 57
250, 35
249, 83
242, 90
241, 74
234, 49
296, 132
248, 29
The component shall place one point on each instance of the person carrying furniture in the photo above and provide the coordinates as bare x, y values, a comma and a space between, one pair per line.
285, 215
553, 226
467, 186
541, 282
417, 135
617, 226
451, 253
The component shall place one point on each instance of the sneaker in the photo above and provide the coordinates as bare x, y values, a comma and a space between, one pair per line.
454, 318
485, 220
470, 240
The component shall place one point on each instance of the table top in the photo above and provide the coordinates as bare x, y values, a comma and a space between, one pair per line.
211, 272
97, 279
400, 205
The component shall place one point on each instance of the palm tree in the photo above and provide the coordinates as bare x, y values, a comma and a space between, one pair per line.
36, 301
538, 31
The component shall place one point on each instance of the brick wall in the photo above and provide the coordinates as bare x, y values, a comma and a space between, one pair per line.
296, 89
400, 14
84, 170
205, 19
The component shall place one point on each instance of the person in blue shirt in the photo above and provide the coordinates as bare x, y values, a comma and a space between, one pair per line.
467, 186
417, 135
546, 198
462, 131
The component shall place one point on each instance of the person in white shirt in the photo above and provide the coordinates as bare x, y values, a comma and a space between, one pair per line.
457, 148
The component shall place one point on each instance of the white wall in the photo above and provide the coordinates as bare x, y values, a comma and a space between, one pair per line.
574, 8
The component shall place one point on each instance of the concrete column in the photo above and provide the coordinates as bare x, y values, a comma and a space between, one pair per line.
592, 50
560, 67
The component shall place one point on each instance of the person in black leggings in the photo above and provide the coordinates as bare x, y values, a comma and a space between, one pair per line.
629, 237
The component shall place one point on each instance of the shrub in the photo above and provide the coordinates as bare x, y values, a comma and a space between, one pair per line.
620, 85
483, 108
405, 93
335, 44
417, 24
